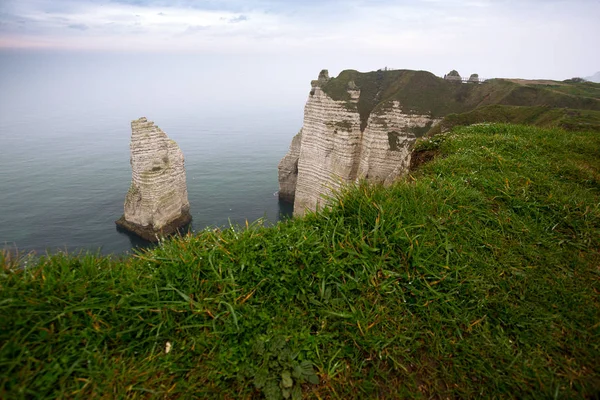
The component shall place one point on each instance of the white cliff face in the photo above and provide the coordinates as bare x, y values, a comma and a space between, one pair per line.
387, 143
329, 149
334, 151
157, 201
288, 170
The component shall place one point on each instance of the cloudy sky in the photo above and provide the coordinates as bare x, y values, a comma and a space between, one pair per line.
507, 38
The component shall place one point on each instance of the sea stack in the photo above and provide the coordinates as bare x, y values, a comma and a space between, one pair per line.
157, 203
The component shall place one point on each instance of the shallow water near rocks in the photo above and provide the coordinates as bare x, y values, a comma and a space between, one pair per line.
64, 149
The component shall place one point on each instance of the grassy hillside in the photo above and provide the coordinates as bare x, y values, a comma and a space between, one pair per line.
568, 119
424, 93
477, 278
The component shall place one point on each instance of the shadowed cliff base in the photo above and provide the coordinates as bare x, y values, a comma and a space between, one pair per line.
286, 209
179, 225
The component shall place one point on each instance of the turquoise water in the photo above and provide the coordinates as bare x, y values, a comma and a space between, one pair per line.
64, 147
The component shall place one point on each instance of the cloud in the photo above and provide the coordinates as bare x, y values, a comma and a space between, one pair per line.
507, 33
196, 29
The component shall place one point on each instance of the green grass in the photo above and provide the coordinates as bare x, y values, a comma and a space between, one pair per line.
421, 92
569, 119
477, 277
587, 89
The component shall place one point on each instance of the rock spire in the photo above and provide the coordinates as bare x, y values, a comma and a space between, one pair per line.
157, 201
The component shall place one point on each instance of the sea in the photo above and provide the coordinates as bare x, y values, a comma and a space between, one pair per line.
65, 130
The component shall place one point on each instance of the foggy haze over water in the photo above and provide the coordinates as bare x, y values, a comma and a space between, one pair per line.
65, 130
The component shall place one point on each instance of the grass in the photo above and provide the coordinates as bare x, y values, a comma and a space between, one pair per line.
477, 277
421, 92
568, 119
575, 88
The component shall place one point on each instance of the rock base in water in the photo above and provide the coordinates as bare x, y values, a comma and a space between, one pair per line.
156, 204
149, 233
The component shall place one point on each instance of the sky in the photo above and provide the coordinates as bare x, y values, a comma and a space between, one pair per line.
494, 38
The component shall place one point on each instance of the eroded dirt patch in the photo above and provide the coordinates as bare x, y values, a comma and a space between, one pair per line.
421, 157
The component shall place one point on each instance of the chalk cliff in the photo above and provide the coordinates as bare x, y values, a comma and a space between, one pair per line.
157, 201
338, 145
363, 125
288, 170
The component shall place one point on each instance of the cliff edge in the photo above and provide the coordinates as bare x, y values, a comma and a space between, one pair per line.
363, 125
348, 134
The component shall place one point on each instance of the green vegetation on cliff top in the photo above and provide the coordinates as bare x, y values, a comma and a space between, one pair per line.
475, 278
422, 92
548, 117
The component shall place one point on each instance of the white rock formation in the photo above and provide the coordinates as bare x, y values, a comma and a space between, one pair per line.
157, 201
288, 170
329, 149
334, 151
387, 143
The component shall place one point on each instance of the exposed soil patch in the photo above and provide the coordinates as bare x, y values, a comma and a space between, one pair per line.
421, 157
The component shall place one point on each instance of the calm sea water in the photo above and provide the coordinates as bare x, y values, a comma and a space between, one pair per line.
64, 143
